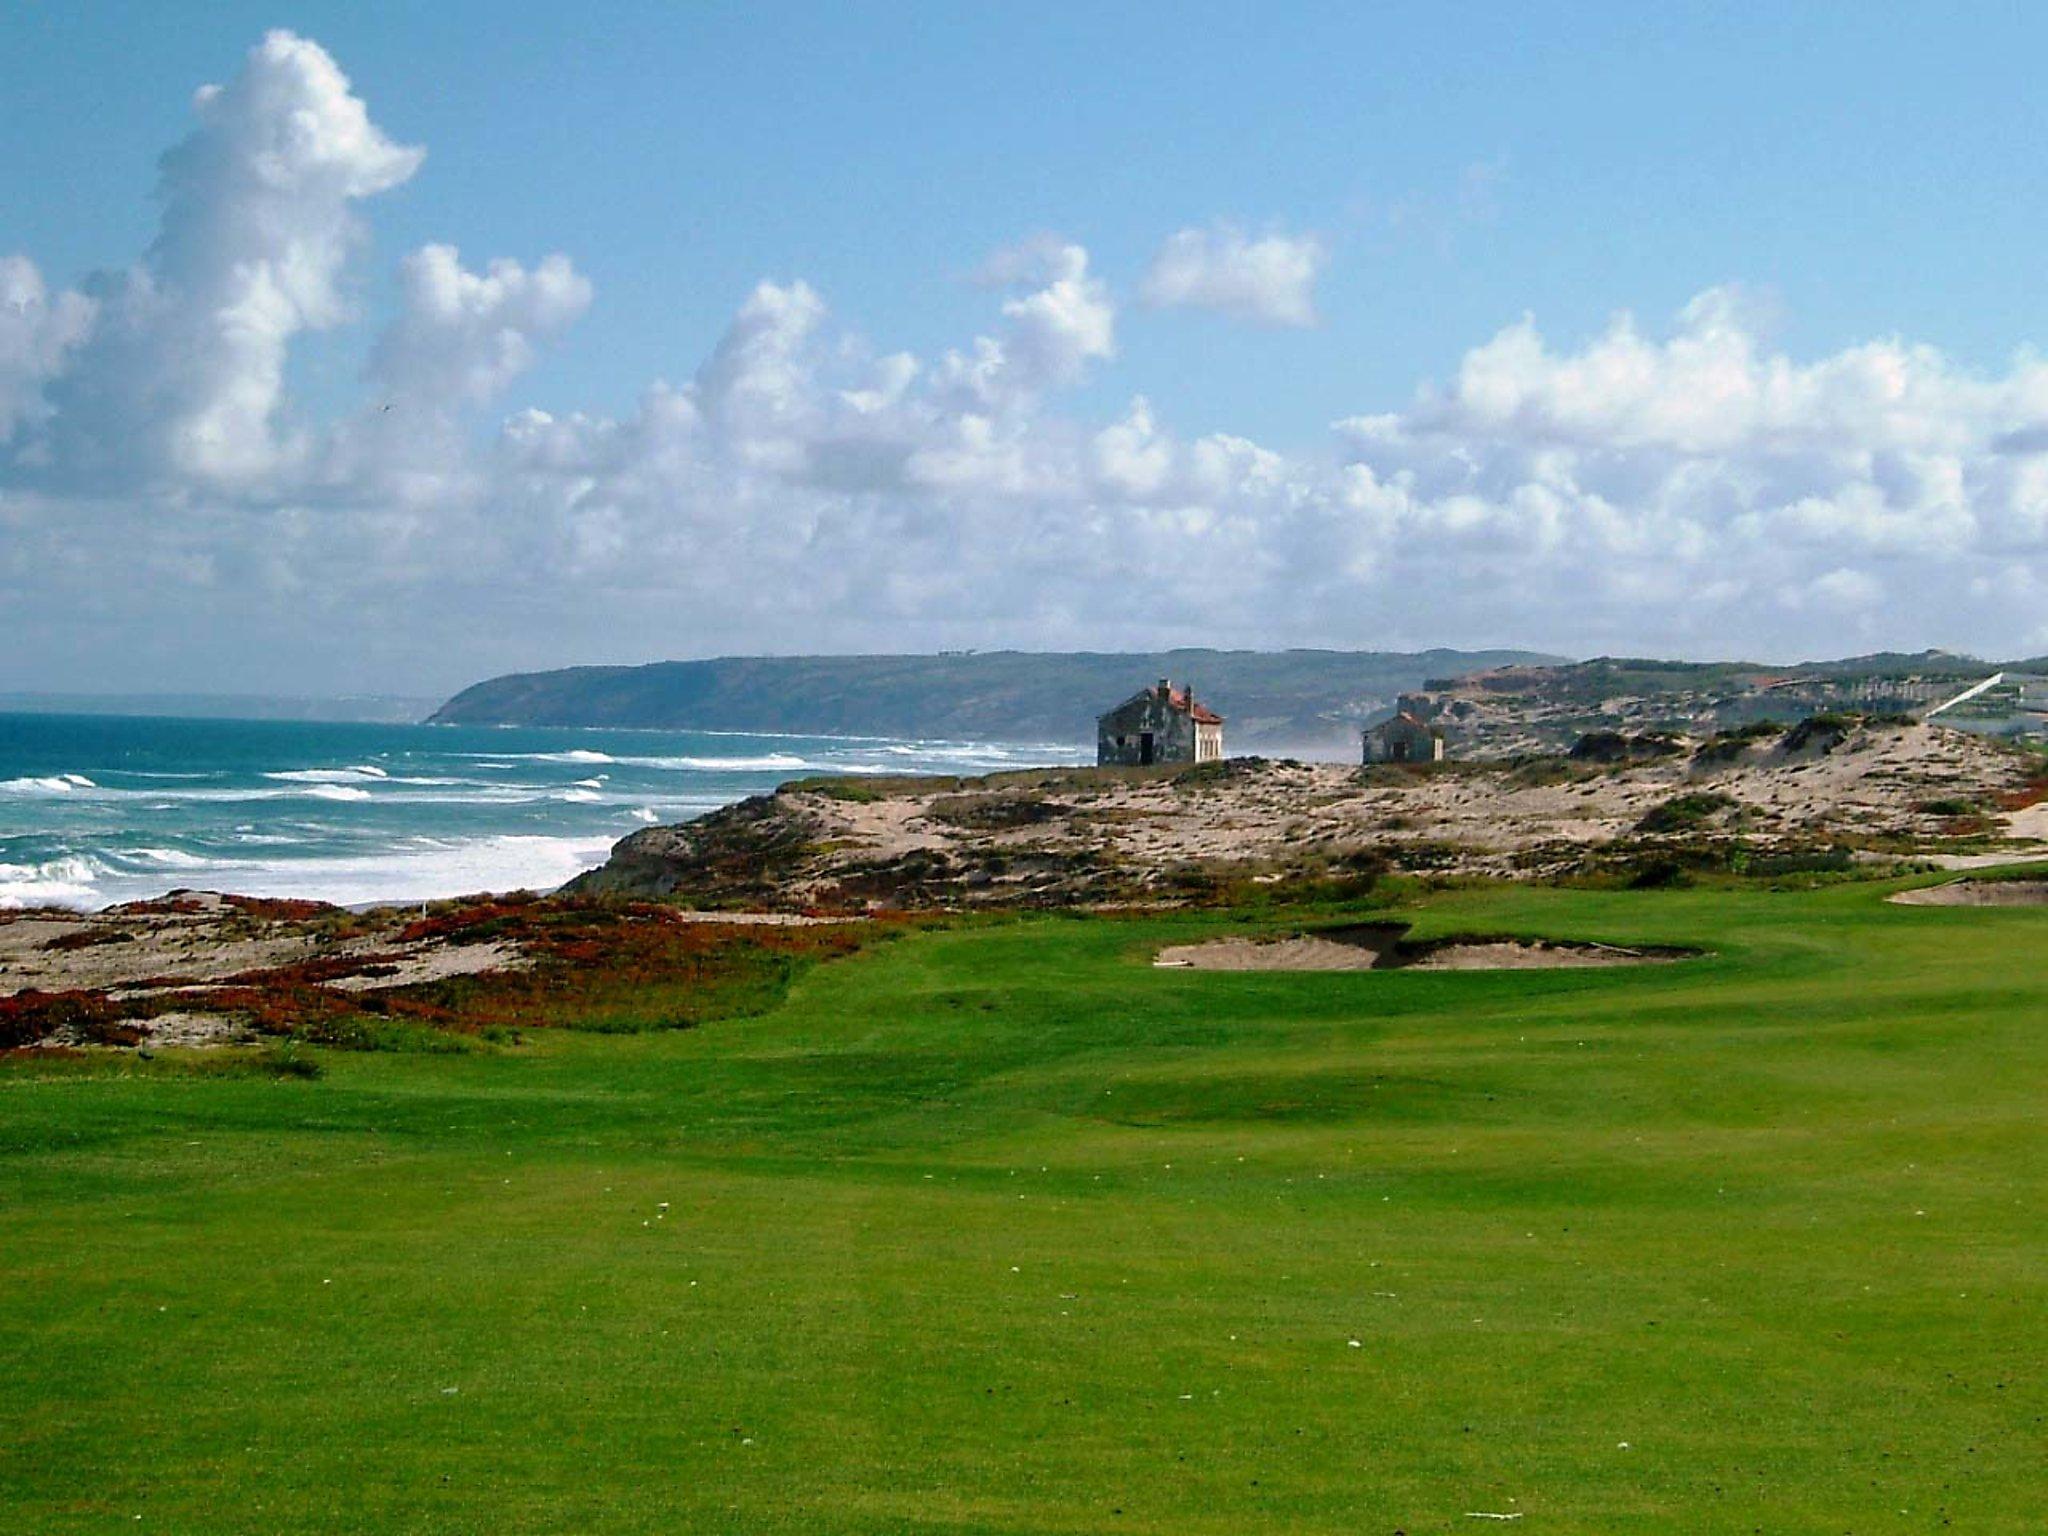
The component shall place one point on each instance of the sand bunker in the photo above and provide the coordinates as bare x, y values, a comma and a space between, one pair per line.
1303, 952
1978, 893
1381, 947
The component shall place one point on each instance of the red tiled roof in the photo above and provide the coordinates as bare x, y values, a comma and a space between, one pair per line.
1177, 698
1406, 718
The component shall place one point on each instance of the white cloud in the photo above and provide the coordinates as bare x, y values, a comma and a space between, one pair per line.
37, 329
461, 337
1689, 488
1270, 280
182, 376
1064, 321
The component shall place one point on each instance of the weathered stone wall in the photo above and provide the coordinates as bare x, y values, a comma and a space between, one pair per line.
1120, 734
1403, 740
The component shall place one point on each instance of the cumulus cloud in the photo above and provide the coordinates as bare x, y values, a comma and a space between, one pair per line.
463, 336
1061, 320
37, 329
182, 375
1270, 280
1684, 487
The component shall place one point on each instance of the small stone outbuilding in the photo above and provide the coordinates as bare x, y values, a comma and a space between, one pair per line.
1408, 737
1161, 724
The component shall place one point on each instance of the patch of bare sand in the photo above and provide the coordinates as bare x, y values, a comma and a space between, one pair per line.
61, 953
1381, 950
433, 963
1977, 893
1505, 955
1303, 952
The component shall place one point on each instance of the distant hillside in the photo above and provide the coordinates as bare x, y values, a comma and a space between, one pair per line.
1605, 677
1272, 699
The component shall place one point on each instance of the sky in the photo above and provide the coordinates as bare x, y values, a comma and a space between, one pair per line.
377, 348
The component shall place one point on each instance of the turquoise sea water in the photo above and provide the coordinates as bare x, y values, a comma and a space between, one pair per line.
96, 809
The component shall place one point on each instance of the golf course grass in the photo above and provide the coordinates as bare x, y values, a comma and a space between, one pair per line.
997, 1228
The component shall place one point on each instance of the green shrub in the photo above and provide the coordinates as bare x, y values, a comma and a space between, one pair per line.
1616, 748
1542, 772
1684, 813
1826, 731
1726, 747
996, 812
1949, 807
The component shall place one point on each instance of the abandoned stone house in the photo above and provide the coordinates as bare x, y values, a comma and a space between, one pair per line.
1161, 724
1408, 737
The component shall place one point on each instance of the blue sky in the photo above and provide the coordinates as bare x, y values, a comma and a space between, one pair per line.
1862, 173
1875, 168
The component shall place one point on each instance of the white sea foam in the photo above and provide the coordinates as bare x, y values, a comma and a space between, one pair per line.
336, 792
354, 775
168, 858
581, 797
772, 762
425, 869
48, 784
66, 882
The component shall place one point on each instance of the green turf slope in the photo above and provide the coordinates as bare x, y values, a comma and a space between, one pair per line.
1001, 1230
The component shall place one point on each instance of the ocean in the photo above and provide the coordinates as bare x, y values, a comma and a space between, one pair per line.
99, 809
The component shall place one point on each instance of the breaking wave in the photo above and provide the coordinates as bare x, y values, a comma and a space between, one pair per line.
48, 784
357, 814
354, 775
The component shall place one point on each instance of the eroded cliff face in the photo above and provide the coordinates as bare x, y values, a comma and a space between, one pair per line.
1058, 837
749, 854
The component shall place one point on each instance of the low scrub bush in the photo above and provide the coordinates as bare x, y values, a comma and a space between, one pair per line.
86, 938
1951, 807
1615, 748
1542, 772
995, 812
1826, 731
1685, 813
1726, 747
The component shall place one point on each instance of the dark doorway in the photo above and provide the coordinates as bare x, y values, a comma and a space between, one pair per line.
1145, 748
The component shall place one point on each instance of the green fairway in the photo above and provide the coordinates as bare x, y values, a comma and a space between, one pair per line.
999, 1229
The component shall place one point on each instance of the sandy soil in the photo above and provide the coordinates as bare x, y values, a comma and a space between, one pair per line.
1499, 956
1978, 893
1303, 952
1315, 952
1871, 784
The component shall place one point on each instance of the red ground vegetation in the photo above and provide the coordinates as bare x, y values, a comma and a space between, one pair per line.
582, 963
161, 906
2033, 792
280, 909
